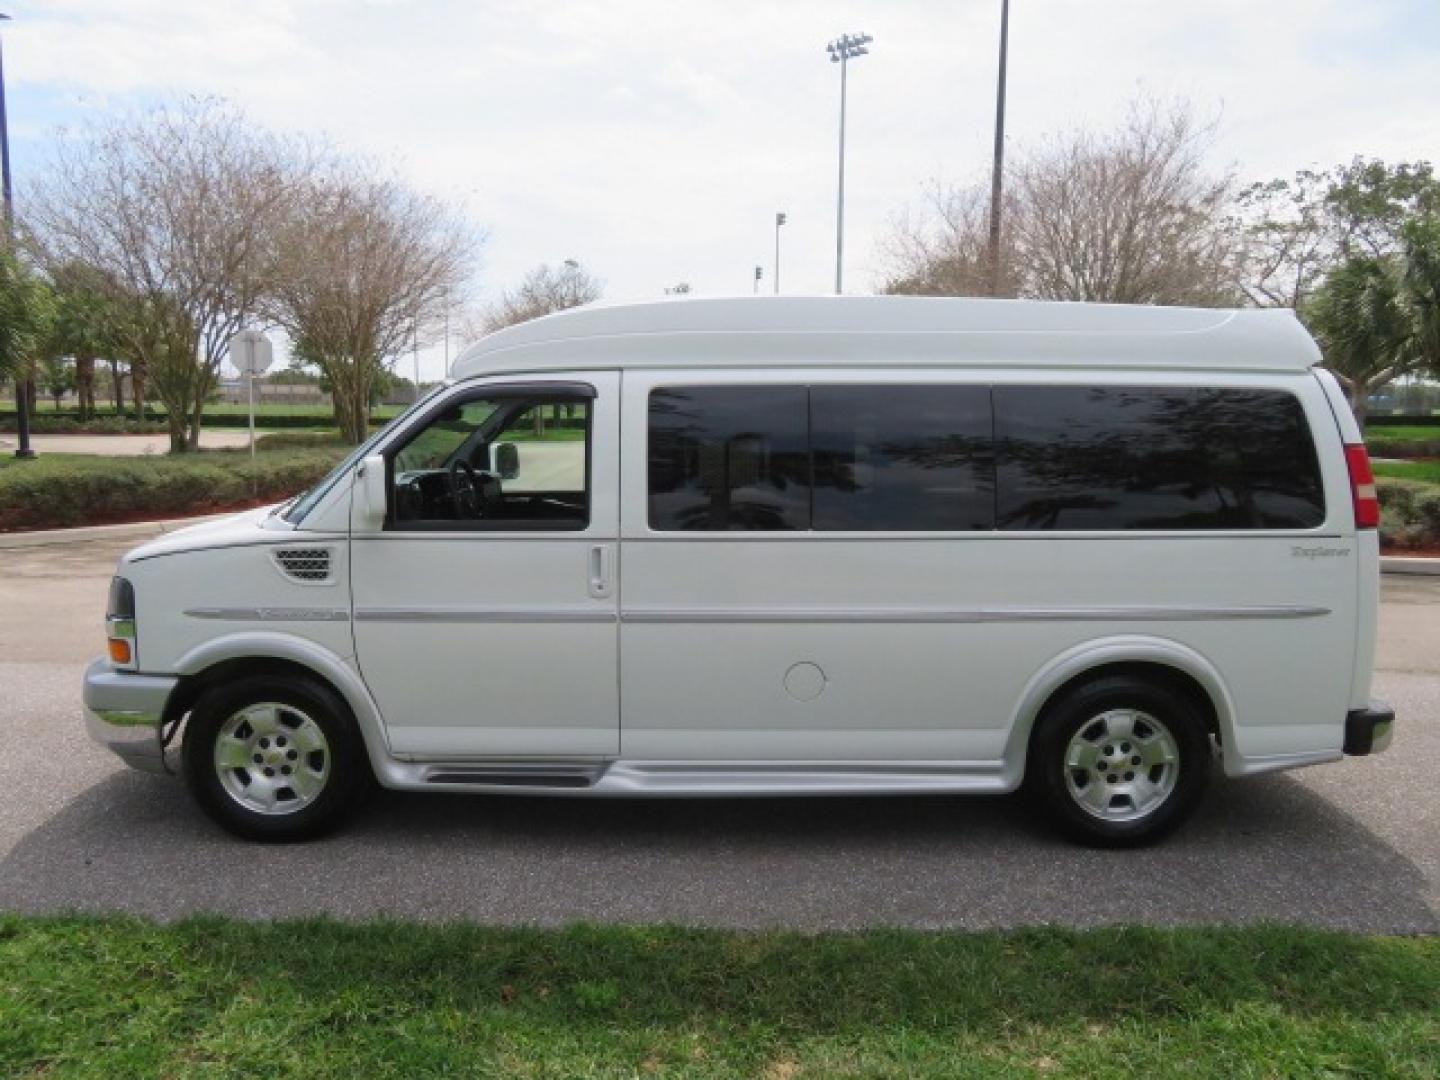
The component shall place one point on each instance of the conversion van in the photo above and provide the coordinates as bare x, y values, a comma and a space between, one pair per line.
825, 546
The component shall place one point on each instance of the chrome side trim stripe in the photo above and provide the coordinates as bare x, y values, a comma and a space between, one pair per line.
448, 614
270, 614
644, 615
1119, 613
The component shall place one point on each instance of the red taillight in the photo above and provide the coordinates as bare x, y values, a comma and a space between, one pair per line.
1362, 487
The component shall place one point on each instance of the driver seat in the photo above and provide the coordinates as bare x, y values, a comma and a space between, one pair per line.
487, 491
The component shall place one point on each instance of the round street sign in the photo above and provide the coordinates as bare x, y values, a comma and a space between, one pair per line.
251, 353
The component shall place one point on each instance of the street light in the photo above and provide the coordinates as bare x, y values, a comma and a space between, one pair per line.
842, 50
22, 395
779, 220
997, 177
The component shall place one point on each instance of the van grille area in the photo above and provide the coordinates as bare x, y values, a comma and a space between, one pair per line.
309, 564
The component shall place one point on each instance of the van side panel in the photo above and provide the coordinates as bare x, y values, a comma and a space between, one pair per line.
903, 647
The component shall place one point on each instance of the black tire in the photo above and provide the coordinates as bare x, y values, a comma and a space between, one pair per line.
1066, 717
348, 770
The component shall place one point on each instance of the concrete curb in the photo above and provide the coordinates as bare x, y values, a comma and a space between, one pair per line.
1406, 564
137, 530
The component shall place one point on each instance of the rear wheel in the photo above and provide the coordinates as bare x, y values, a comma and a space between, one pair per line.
274, 757
1119, 761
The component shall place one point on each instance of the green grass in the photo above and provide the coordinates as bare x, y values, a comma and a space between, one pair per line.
119, 997
1425, 471
1402, 433
60, 490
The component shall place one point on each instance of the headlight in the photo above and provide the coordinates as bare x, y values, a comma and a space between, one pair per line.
120, 623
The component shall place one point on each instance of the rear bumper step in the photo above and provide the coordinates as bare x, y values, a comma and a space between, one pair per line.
1369, 730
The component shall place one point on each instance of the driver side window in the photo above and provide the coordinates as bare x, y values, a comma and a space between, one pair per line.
511, 462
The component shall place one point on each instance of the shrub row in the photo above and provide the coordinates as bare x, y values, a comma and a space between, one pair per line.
69, 422
1381, 447
55, 491
1410, 513
50, 424
301, 440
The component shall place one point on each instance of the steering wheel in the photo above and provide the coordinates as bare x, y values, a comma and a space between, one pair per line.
464, 488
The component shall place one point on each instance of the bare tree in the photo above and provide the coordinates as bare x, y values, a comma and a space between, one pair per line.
361, 262
544, 291
175, 208
943, 250
1130, 216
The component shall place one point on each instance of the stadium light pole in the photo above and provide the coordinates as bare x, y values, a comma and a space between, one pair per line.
997, 179
22, 395
779, 220
842, 50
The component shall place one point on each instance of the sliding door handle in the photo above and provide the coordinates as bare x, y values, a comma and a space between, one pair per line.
600, 571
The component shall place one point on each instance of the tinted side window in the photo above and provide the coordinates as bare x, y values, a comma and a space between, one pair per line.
729, 458
913, 458
1154, 458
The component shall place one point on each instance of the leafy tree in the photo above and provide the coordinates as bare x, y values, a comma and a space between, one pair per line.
1422, 284
26, 317
57, 375
1298, 230
84, 326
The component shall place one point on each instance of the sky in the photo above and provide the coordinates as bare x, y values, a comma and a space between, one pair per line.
655, 141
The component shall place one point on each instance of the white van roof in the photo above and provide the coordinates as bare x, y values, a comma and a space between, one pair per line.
840, 331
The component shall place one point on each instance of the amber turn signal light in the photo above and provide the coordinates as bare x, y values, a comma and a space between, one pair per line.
119, 651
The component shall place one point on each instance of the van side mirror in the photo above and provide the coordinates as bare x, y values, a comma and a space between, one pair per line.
505, 457
371, 491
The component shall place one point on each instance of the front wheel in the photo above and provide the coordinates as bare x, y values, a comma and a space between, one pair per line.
1119, 762
274, 757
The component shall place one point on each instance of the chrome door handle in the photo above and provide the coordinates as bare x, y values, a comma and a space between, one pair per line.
600, 571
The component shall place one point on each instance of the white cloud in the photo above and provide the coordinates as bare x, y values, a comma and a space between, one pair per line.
655, 140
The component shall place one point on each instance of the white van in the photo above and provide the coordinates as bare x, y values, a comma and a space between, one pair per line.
787, 547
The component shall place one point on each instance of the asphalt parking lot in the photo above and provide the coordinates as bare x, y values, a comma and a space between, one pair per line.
1352, 845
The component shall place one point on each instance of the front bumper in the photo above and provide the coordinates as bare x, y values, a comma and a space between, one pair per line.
124, 713
1369, 730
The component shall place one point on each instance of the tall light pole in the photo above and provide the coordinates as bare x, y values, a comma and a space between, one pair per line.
842, 50
997, 181
779, 220
22, 387
5, 147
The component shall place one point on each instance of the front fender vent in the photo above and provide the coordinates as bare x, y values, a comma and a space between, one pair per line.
308, 565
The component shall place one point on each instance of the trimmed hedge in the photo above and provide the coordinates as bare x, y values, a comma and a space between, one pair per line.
50, 424
1382, 447
58, 490
301, 440
68, 422
1409, 513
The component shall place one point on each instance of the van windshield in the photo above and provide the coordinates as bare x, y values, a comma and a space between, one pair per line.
296, 510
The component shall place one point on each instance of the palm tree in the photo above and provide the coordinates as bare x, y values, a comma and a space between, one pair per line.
1364, 320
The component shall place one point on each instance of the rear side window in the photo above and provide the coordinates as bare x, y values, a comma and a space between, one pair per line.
729, 458
912, 458
1128, 458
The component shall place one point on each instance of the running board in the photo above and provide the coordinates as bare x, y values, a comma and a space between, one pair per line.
714, 779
